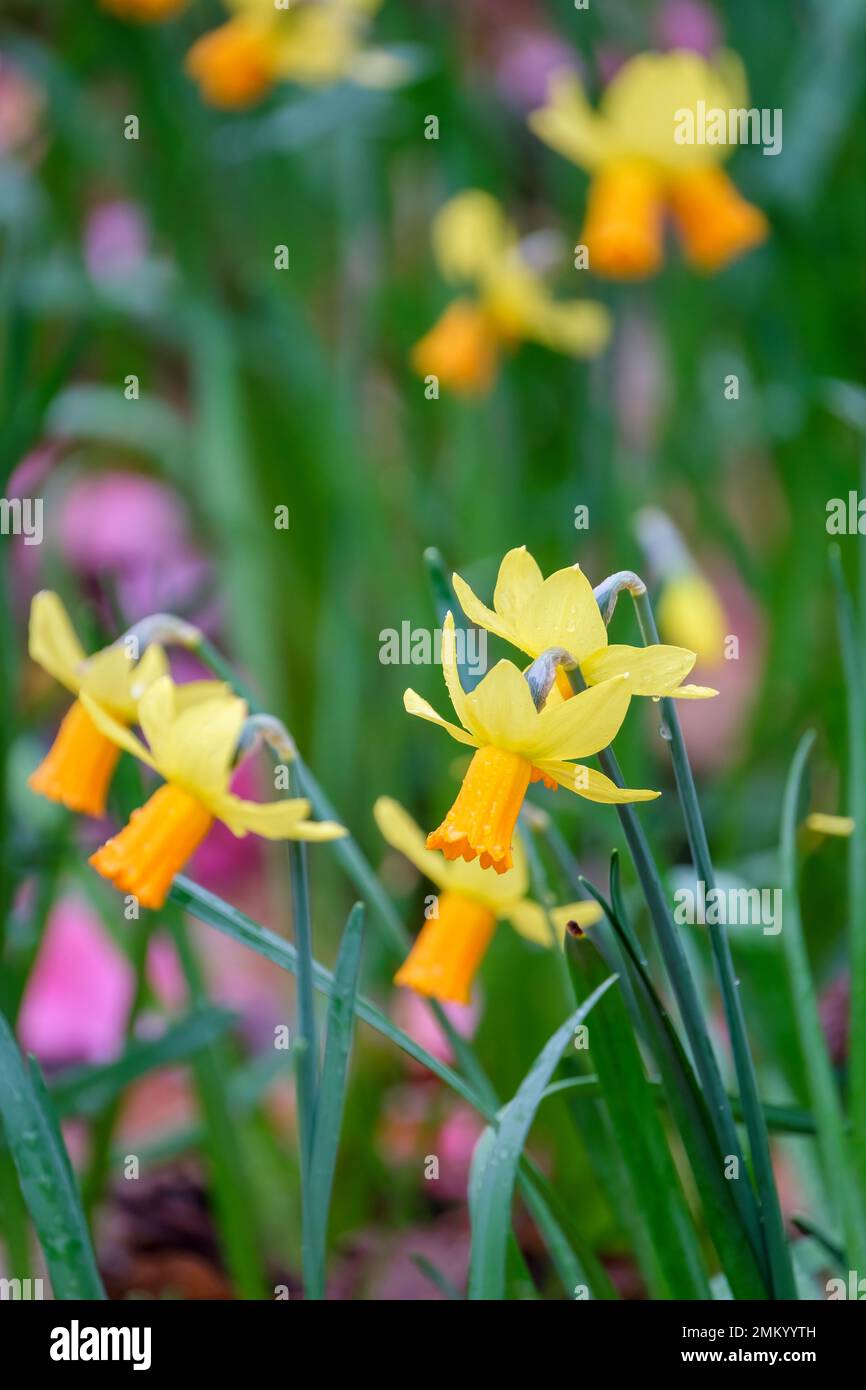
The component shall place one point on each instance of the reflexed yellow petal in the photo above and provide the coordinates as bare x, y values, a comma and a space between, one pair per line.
153, 664
452, 675
108, 677
405, 835
478, 612
592, 785
641, 103
569, 125
518, 581
414, 704
656, 670
273, 820
580, 327
563, 613
117, 732
585, 914
156, 715
469, 233
501, 709
824, 824
52, 640
193, 692
579, 727
200, 745
693, 692
531, 920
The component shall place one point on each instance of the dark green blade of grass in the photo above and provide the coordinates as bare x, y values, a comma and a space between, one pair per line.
740, 1256
740, 1260
490, 1211
836, 1152
783, 1119
855, 682
641, 1139
216, 913
87, 1090
233, 1200
772, 1222
45, 1174
331, 1100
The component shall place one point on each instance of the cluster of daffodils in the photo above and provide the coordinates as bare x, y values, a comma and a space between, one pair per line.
507, 301
192, 735
641, 172
525, 726
265, 42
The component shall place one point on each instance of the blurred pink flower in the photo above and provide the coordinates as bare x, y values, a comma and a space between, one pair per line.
21, 106
687, 24
454, 1146
78, 997
115, 240
526, 61
132, 530
414, 1015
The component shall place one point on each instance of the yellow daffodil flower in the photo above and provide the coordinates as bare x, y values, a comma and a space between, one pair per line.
450, 947
517, 744
639, 169
311, 42
80, 764
476, 246
688, 608
534, 614
193, 750
145, 11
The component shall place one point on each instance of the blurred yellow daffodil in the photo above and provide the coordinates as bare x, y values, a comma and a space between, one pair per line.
79, 766
535, 614
640, 169
474, 245
193, 750
689, 611
451, 945
517, 744
311, 42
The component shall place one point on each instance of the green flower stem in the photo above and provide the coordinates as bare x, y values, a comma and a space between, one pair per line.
359, 871
689, 1003
784, 1284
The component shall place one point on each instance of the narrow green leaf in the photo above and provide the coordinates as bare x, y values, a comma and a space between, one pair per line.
826, 1104
641, 1140
490, 1205
331, 1100
45, 1174
855, 683
216, 913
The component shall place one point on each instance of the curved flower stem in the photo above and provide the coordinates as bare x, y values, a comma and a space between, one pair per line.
690, 1008
784, 1285
348, 853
